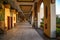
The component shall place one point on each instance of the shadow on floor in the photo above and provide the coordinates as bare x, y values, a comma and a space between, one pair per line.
40, 32
2, 35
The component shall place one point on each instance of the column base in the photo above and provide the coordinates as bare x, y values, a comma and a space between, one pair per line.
49, 36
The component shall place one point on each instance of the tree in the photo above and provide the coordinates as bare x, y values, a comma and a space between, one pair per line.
57, 20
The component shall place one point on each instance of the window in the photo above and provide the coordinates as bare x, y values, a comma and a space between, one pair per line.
46, 15
46, 26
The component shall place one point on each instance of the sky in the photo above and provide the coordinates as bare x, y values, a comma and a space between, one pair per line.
57, 6
42, 5
42, 10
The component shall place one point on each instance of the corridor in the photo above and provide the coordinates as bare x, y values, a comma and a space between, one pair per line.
23, 31
14, 12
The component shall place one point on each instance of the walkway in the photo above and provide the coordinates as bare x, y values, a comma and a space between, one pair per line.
23, 31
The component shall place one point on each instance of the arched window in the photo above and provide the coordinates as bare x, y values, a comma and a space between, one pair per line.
46, 10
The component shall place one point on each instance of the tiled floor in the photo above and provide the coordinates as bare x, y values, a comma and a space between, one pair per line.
23, 31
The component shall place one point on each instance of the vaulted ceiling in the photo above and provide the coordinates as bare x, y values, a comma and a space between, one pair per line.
26, 8
16, 3
25, 0
23, 6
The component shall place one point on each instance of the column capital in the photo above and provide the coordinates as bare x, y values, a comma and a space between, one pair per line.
6, 5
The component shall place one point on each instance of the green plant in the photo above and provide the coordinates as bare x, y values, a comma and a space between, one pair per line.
42, 23
2, 15
58, 31
57, 20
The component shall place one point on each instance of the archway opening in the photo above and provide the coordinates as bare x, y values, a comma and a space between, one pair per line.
57, 17
41, 16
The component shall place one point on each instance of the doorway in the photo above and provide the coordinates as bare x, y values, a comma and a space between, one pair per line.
9, 22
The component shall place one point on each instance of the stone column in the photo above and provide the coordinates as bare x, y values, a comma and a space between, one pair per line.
53, 18
32, 17
35, 16
38, 14
49, 19
7, 14
17, 17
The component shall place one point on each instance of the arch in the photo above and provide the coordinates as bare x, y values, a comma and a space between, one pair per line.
38, 4
40, 15
49, 17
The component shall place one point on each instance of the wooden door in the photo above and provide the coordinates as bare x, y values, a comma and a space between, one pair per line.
9, 22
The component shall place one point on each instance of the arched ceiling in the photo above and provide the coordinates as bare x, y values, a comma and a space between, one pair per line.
23, 6
25, 0
26, 8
